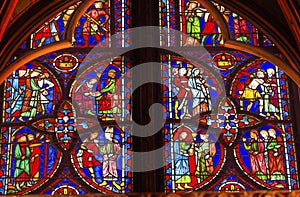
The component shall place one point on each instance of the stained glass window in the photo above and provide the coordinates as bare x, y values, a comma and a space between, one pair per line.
264, 152
199, 24
58, 131
229, 123
66, 125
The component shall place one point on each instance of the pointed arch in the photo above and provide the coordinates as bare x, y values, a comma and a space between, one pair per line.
293, 73
219, 19
69, 33
25, 24
6, 72
282, 42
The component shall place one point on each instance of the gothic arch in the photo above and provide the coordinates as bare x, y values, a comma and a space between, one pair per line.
25, 24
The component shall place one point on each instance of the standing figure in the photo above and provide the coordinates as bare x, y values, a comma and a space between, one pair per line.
22, 156
184, 92
35, 152
210, 28
256, 154
110, 152
225, 13
200, 92
36, 92
241, 29
87, 156
85, 96
49, 30
182, 144
175, 91
31, 103
275, 153
18, 92
95, 22
44, 85
106, 106
192, 20
251, 92
265, 139
271, 97
205, 152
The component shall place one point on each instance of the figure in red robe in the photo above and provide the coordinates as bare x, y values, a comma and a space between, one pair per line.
184, 92
256, 154
241, 29
86, 156
35, 160
210, 29
106, 103
275, 156
84, 96
92, 26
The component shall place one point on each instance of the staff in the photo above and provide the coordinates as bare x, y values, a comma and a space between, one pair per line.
94, 21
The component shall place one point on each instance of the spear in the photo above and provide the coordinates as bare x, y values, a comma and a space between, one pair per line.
95, 21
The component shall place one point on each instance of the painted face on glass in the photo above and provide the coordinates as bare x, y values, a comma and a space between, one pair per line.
30, 137
22, 72
260, 74
182, 71
111, 74
182, 135
93, 81
270, 72
94, 135
264, 134
253, 134
272, 132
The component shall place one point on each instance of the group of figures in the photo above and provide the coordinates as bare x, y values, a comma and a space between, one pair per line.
193, 13
100, 157
266, 154
262, 89
32, 93
92, 31
97, 95
202, 28
94, 28
27, 160
190, 86
193, 158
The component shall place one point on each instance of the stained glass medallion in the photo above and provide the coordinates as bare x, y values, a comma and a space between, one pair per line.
31, 91
232, 182
194, 157
65, 184
261, 88
30, 157
181, 76
267, 156
102, 91
102, 159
